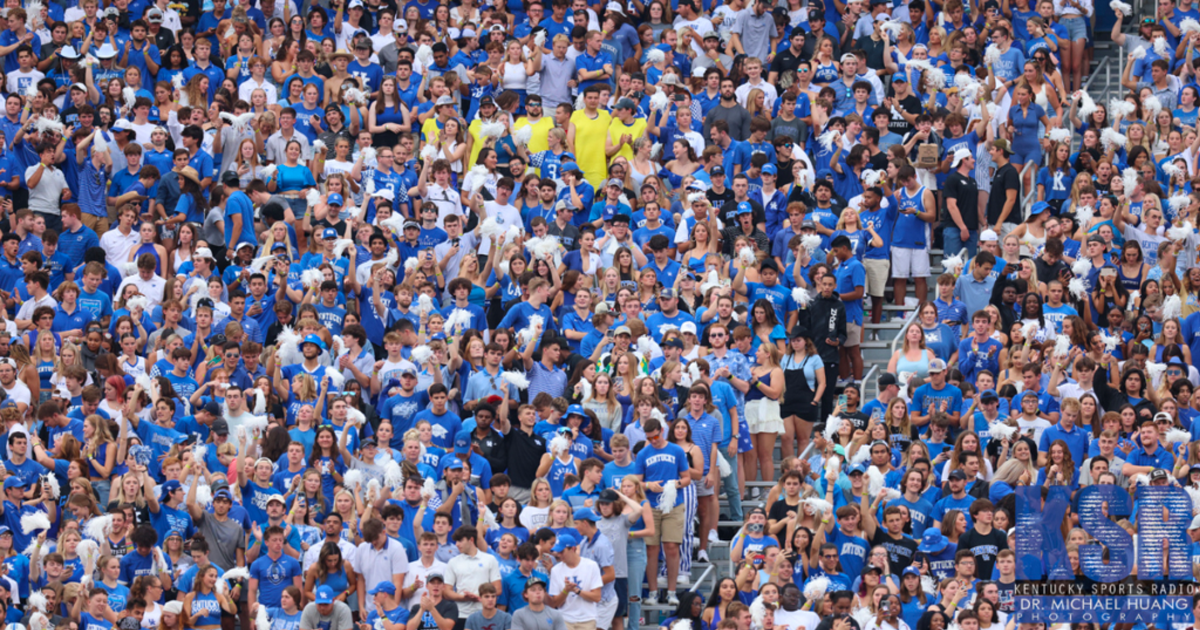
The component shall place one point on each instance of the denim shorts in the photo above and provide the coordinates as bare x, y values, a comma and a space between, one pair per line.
1076, 27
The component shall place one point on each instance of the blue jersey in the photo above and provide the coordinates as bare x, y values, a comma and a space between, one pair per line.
911, 232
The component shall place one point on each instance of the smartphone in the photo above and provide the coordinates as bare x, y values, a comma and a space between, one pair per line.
841, 400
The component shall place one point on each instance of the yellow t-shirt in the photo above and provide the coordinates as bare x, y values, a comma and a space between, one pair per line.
541, 131
477, 144
589, 145
617, 129
430, 130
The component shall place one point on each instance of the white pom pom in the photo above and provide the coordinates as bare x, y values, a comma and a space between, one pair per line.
1151, 105
991, 55
1177, 436
698, 72
421, 354
235, 574
540, 38
1172, 308
656, 151
746, 255
1081, 267
204, 496
491, 130
1138, 53
35, 522
424, 55
262, 621
656, 56
268, 172
928, 585
52, 482
810, 242
1087, 106
816, 588
313, 197
352, 479
368, 154
523, 136
1059, 134
1189, 25
1160, 47
871, 178
1130, 178
1112, 140
954, 264
1083, 215
559, 445
826, 140
758, 612
1125, 9
1078, 288
659, 101
861, 456
1002, 430
129, 95
99, 528
666, 501
1181, 232
312, 277
424, 304
801, 297
37, 601
893, 28
355, 96
1062, 346
816, 505
832, 425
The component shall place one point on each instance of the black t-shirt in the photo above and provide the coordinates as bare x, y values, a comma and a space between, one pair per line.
780, 509
1006, 178
900, 552
786, 61
984, 547
446, 608
910, 104
965, 192
1047, 272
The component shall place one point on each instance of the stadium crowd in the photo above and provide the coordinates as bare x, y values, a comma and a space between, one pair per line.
354, 315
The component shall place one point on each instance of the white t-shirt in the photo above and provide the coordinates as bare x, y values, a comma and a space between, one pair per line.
27, 309
587, 575
796, 619
700, 25
506, 216
19, 393
419, 570
246, 90
1039, 425
447, 200
467, 573
534, 518
18, 81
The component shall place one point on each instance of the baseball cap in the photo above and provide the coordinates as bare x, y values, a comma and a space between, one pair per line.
769, 169
609, 495
622, 330
886, 379
1158, 474
1002, 145
334, 200
745, 208
167, 488
454, 464
667, 294
808, 224
324, 595
462, 443
957, 474
910, 571
212, 408
384, 586
223, 493
989, 395
434, 576
959, 156
585, 514
13, 482
900, 76
625, 103
530, 583
615, 182
566, 539
718, 171
220, 426
687, 328
444, 100
937, 365
1096, 238
988, 236
329, 232
276, 497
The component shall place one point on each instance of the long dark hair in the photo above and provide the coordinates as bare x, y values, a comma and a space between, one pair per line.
316, 452
192, 189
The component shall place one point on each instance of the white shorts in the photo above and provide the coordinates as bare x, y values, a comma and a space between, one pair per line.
910, 263
605, 612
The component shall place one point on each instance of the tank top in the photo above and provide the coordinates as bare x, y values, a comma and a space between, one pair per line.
558, 473
514, 76
755, 393
336, 581
45, 370
825, 74
920, 368
1131, 283
206, 611
148, 248
1032, 245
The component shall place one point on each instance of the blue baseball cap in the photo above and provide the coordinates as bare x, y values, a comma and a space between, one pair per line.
932, 542
167, 488
586, 514
324, 595
570, 166
313, 339
745, 208
329, 232
910, 571
566, 539
860, 469
610, 211
462, 442
383, 587
454, 463
13, 482
5, 530
770, 169
900, 76
576, 410
334, 199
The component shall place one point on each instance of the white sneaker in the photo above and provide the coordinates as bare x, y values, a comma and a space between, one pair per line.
684, 580
672, 599
713, 537
702, 556
651, 599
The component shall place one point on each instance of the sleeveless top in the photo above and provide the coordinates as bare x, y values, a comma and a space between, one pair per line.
336, 581
920, 368
755, 393
148, 248
45, 370
697, 265
1131, 283
514, 76
824, 74
1032, 245
558, 473
206, 611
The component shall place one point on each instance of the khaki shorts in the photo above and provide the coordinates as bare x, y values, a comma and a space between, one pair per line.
877, 276
582, 625
667, 527
99, 225
853, 335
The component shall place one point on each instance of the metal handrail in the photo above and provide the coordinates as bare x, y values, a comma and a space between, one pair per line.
1031, 194
896, 342
703, 576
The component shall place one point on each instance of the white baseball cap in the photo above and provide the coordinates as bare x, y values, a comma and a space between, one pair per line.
988, 236
959, 156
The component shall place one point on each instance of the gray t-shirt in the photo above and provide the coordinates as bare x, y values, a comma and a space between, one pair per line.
547, 619
224, 539
214, 227
338, 619
616, 530
502, 621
